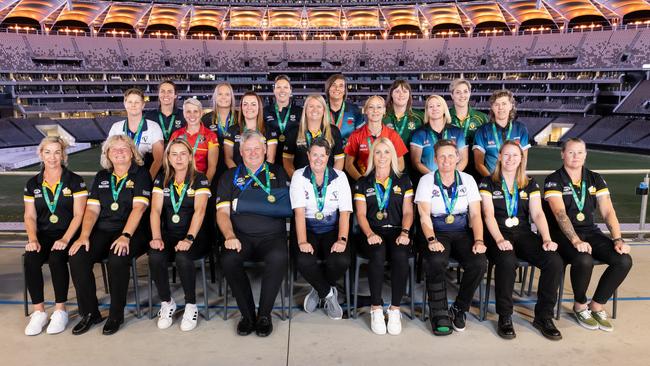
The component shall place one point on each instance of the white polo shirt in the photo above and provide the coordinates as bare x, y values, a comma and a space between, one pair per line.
428, 191
151, 133
338, 198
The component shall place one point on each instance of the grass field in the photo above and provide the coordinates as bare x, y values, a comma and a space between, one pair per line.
626, 202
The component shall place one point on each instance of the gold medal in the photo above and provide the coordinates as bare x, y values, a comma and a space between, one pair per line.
115, 206
379, 215
580, 216
54, 218
270, 198
176, 218
319, 215
282, 138
514, 220
449, 219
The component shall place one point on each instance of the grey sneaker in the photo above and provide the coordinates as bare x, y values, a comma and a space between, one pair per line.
585, 319
601, 319
311, 301
332, 306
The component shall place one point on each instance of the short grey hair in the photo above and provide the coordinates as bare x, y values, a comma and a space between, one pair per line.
193, 101
251, 134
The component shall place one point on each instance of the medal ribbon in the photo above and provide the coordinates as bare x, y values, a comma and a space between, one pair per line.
339, 121
434, 138
135, 136
320, 193
245, 185
176, 205
382, 202
309, 137
114, 191
167, 130
449, 203
402, 123
51, 205
222, 128
583, 192
497, 136
267, 187
282, 124
511, 200
196, 143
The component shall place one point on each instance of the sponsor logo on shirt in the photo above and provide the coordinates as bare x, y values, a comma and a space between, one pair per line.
523, 194
190, 192
66, 192
129, 184
592, 190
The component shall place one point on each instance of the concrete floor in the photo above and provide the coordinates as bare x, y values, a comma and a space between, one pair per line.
314, 339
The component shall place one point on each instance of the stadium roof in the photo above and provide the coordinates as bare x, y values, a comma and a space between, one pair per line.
228, 16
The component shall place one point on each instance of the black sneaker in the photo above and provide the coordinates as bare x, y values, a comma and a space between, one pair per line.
505, 329
547, 328
245, 327
264, 326
457, 318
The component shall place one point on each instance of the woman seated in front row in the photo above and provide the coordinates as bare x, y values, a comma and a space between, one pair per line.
384, 202
322, 203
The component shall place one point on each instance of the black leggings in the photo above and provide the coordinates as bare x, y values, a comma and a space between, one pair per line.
335, 263
527, 246
160, 259
81, 268
582, 265
458, 245
398, 258
58, 261
272, 250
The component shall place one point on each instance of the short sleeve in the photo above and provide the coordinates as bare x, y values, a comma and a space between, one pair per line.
345, 199
473, 194
552, 186
142, 187
155, 132
479, 140
360, 190
116, 129
296, 190
212, 140
406, 185
229, 137
271, 136
601, 185
78, 186
417, 139
28, 192
202, 185
158, 184
175, 135
533, 188
93, 195
523, 139
337, 149
224, 191
352, 147
460, 140
424, 189
485, 187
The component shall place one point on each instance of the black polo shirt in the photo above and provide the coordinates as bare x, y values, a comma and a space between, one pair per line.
199, 186
271, 120
136, 189
250, 224
299, 151
489, 188
73, 187
210, 122
558, 185
233, 138
171, 123
364, 190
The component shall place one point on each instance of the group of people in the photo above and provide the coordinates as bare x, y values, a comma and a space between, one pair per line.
389, 183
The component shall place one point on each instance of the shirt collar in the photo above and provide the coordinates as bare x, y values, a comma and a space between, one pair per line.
307, 174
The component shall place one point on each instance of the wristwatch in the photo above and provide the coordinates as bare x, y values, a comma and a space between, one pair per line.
343, 239
190, 238
431, 239
406, 231
126, 235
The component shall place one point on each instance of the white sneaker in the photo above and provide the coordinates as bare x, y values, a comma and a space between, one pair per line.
58, 322
190, 317
166, 313
37, 321
394, 322
378, 321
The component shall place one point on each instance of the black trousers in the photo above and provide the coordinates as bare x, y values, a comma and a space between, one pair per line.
398, 259
83, 277
58, 262
272, 250
458, 245
527, 246
184, 260
335, 263
582, 264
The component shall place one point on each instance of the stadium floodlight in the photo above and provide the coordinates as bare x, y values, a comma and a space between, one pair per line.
646, 66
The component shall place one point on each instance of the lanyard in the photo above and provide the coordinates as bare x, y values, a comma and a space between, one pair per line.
434, 137
382, 202
222, 128
511, 200
247, 183
282, 123
135, 136
449, 203
51, 205
196, 143
339, 121
114, 191
267, 187
308, 137
498, 137
167, 130
320, 193
176, 205
401, 123
583, 193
